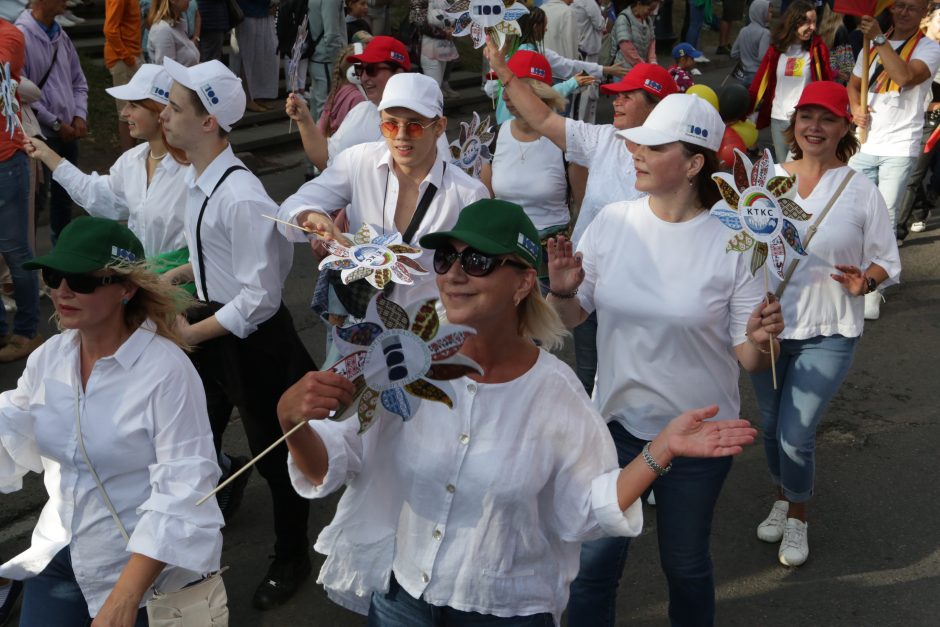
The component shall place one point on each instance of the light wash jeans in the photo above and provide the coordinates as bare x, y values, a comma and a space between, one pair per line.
809, 373
781, 148
890, 174
320, 76
14, 245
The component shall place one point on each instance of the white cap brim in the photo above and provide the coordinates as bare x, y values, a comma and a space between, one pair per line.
130, 92
647, 136
411, 104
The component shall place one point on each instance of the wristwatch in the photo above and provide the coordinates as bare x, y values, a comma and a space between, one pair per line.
879, 40
872, 285
56, 125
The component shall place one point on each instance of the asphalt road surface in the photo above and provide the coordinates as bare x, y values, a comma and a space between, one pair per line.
875, 555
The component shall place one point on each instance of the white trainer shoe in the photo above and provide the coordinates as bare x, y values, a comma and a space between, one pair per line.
918, 227
771, 530
873, 305
794, 549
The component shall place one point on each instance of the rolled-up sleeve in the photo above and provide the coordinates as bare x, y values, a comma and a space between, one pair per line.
19, 453
880, 245
345, 454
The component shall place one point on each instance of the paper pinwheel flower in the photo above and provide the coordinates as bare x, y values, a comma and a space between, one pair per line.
473, 17
379, 259
760, 210
8, 103
473, 147
398, 359
294, 80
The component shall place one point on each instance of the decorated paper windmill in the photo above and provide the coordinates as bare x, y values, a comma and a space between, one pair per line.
473, 17
473, 147
760, 209
379, 259
10, 107
398, 359
295, 82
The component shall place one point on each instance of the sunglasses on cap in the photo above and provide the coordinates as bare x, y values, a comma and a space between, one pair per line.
78, 283
371, 69
473, 262
413, 130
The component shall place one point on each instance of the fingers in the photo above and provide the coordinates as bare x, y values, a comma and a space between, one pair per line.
314, 397
850, 270
704, 413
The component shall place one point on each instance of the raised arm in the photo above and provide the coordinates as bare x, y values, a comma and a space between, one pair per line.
312, 138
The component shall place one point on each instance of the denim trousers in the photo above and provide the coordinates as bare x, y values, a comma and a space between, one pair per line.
585, 352
53, 598
397, 608
809, 373
14, 245
685, 502
695, 16
781, 148
51, 194
914, 204
890, 174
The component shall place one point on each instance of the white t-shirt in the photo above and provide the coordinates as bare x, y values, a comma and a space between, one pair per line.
516, 162
671, 305
611, 173
794, 72
897, 118
855, 231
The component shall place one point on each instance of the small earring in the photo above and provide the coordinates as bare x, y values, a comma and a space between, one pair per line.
124, 301
516, 301
692, 182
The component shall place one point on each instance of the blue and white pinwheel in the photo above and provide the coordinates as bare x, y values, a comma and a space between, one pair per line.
472, 148
379, 259
473, 17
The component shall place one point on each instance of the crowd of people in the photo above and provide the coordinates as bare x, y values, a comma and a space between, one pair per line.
514, 503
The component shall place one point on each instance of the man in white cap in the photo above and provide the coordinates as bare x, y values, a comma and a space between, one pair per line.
401, 184
247, 350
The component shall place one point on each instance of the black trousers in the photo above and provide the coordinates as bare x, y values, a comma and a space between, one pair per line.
251, 374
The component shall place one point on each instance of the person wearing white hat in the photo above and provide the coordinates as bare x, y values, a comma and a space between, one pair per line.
145, 185
676, 314
385, 182
248, 350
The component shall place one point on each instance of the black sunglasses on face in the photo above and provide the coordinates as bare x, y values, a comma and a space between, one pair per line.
369, 69
473, 262
78, 283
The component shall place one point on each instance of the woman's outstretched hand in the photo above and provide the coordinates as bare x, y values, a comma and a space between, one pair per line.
565, 272
689, 435
852, 279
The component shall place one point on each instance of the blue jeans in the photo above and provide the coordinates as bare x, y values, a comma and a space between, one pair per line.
397, 608
685, 502
585, 351
696, 21
53, 598
59, 202
809, 373
14, 245
781, 148
890, 174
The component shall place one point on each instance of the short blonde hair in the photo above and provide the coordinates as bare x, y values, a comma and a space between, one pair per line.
547, 95
538, 320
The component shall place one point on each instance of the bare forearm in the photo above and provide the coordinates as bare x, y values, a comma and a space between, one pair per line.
569, 310
308, 453
205, 330
531, 108
637, 476
877, 272
136, 578
755, 357
900, 71
315, 142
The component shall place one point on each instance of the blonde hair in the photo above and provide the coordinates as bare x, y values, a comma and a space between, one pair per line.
538, 320
162, 10
546, 94
828, 26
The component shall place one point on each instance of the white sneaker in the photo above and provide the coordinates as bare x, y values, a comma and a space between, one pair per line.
9, 304
771, 530
703, 59
918, 227
73, 18
695, 72
873, 305
794, 549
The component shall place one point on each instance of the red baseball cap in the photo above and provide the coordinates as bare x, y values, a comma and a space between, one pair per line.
651, 78
382, 49
528, 64
829, 95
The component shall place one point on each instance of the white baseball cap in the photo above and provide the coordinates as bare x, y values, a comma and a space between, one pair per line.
416, 92
218, 89
679, 118
149, 82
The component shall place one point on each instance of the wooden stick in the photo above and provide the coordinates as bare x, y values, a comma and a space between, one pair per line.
296, 226
863, 95
773, 358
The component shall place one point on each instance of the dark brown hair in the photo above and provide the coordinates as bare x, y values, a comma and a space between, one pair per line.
846, 147
708, 193
784, 33
201, 110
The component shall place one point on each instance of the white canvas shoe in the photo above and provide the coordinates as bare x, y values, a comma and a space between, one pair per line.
771, 530
794, 548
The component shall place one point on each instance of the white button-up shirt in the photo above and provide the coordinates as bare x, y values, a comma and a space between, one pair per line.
146, 431
362, 178
481, 508
155, 212
246, 260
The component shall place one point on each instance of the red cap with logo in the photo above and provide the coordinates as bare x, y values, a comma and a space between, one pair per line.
528, 64
382, 49
651, 78
829, 95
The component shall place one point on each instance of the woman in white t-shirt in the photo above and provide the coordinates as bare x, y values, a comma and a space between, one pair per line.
853, 251
676, 314
480, 509
169, 36
795, 57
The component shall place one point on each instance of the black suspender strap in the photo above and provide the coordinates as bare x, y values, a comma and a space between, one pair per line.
202, 264
422, 208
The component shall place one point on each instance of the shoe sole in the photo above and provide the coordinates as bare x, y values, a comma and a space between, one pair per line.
770, 539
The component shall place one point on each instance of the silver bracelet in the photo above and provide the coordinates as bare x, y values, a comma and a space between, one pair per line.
656, 468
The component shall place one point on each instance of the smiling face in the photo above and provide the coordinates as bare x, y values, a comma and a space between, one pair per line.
932, 24
373, 80
807, 29
142, 122
817, 131
907, 15
413, 153
663, 169
631, 109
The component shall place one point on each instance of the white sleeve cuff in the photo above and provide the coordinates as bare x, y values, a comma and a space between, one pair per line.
336, 474
606, 508
233, 322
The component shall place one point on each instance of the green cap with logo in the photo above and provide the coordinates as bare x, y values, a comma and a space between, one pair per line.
87, 244
494, 227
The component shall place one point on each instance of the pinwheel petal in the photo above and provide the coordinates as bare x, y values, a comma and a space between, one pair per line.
725, 185
779, 186
515, 11
334, 247
454, 152
336, 264
477, 35
740, 243
413, 266
778, 254
761, 169
428, 391
387, 239
350, 366
447, 345
344, 412
366, 409
391, 314
728, 217
348, 276
792, 210
380, 278
427, 323
758, 256
741, 170
361, 334
401, 275
395, 401
459, 6
792, 237
404, 249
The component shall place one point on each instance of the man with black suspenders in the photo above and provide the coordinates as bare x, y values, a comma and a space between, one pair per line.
246, 348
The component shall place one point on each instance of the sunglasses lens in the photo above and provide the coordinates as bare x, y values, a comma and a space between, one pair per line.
78, 283
413, 130
476, 263
444, 258
51, 278
389, 129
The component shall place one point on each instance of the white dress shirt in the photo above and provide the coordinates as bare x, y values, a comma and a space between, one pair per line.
590, 22
146, 431
155, 213
481, 508
561, 33
362, 178
246, 260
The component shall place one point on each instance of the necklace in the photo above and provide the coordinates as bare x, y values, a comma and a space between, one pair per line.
151, 156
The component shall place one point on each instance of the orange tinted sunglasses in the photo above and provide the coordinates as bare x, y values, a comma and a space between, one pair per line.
413, 130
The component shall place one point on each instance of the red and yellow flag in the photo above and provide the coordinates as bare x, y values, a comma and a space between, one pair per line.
861, 7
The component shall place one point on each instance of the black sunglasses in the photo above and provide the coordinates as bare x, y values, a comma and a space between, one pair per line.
473, 262
370, 69
78, 283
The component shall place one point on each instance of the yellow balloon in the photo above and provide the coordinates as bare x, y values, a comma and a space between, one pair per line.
747, 131
706, 93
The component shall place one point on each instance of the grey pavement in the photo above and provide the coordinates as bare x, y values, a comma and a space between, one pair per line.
875, 555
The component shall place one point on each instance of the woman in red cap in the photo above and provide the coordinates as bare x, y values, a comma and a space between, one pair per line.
852, 252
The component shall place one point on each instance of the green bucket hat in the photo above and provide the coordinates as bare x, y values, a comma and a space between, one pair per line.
87, 244
494, 227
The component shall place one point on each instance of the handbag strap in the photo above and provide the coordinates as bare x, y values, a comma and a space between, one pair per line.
94, 473
422, 208
812, 232
202, 211
45, 77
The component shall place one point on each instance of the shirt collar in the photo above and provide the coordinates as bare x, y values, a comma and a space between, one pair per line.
132, 348
435, 174
166, 163
211, 175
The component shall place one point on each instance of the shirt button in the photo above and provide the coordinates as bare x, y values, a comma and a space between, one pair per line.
425, 578
472, 388
464, 438
437, 535
451, 488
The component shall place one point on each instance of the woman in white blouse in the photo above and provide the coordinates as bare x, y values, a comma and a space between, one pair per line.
852, 253
480, 509
146, 185
88, 402
169, 36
